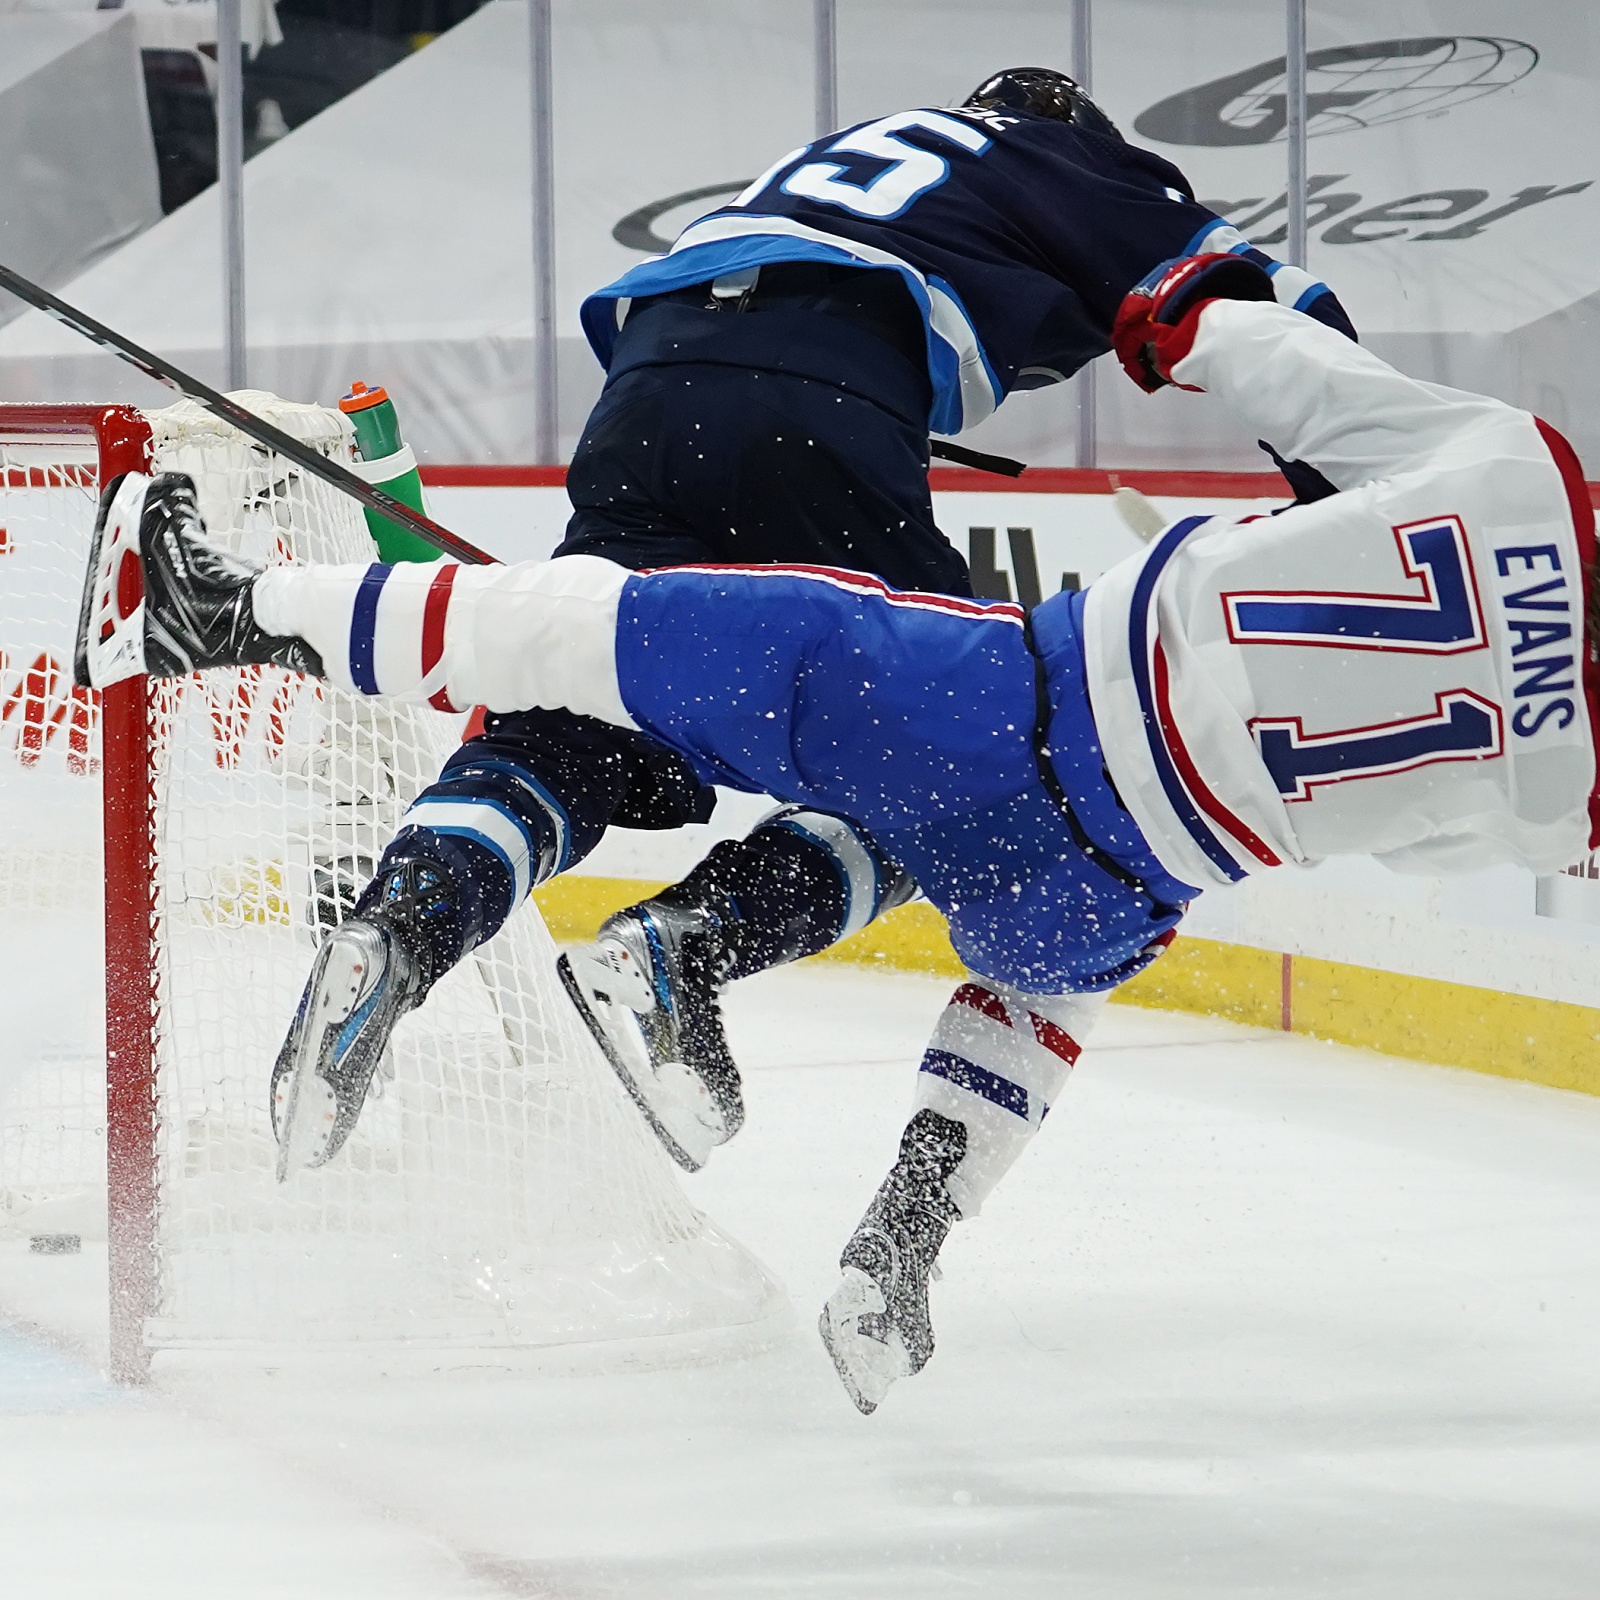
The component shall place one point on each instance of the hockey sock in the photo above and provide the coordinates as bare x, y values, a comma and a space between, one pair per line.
800, 882
539, 633
496, 828
997, 1062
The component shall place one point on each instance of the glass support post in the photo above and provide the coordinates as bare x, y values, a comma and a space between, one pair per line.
1083, 72
230, 179
1295, 128
546, 425
827, 66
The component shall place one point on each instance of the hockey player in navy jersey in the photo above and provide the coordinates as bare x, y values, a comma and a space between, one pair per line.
771, 385
1403, 669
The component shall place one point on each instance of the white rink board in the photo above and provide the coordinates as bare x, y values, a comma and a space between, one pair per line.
1485, 930
1079, 533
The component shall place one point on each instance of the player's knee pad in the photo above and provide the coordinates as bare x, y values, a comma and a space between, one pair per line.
997, 1062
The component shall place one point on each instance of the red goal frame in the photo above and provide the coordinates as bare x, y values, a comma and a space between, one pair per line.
122, 440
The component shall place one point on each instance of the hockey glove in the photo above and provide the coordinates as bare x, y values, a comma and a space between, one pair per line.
1157, 321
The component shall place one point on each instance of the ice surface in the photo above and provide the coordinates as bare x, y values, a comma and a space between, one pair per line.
1254, 1317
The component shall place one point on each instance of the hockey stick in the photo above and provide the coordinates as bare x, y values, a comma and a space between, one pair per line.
220, 406
963, 457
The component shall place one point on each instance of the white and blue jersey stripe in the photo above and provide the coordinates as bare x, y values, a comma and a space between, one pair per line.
1293, 286
965, 386
1216, 829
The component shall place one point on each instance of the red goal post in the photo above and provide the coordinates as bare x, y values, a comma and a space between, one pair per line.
120, 438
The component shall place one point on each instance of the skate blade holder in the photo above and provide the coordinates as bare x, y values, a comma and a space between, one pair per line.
111, 625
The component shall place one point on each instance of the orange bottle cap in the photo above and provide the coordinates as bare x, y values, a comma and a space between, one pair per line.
361, 397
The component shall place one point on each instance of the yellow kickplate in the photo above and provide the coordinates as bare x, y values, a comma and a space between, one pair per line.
1421, 1019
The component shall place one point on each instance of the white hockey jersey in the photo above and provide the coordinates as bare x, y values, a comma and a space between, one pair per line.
1399, 670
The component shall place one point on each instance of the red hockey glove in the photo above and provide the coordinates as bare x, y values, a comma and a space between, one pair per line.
1160, 316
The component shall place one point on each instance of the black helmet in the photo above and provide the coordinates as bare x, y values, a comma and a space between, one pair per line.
1044, 92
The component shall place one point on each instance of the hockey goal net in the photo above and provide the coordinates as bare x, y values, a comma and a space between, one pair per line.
500, 1193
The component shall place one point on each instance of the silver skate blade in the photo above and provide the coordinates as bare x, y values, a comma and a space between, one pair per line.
110, 643
866, 1367
674, 1101
306, 1104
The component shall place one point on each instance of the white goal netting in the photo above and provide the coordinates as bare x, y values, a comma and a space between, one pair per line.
502, 1191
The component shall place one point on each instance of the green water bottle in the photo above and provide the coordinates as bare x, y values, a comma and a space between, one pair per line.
388, 464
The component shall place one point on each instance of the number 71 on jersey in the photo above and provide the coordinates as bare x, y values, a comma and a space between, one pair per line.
1441, 615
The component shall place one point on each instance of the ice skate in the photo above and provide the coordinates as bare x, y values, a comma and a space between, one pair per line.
647, 992
876, 1324
369, 972
160, 598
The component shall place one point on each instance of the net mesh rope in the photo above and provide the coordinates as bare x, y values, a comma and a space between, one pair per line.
501, 1191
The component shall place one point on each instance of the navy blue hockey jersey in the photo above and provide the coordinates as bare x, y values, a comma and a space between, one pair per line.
1017, 236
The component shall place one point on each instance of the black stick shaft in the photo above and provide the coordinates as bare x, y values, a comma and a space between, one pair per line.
219, 405
944, 451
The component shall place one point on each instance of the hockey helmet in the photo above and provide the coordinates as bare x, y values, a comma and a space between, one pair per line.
1044, 92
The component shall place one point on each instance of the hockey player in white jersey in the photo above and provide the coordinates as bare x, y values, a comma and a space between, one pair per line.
1401, 669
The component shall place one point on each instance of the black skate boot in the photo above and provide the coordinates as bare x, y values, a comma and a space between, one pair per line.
876, 1324
647, 989
160, 598
373, 968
